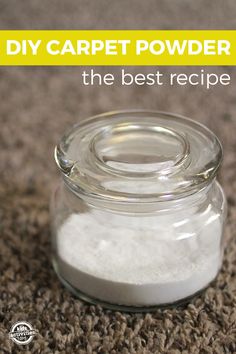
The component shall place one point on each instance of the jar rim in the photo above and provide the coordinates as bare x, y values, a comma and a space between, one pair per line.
138, 156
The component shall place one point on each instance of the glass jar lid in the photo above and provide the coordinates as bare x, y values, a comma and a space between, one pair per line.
133, 156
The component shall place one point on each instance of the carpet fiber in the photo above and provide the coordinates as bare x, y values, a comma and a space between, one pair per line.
37, 105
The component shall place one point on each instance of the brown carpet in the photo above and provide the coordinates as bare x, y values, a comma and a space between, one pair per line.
36, 105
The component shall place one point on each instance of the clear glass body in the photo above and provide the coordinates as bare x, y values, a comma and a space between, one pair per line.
135, 237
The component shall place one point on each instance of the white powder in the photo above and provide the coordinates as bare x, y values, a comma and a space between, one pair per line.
139, 261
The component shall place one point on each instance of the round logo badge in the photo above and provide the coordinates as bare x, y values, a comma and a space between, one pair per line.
22, 333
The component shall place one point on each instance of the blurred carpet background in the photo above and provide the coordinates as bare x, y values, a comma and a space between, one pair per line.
36, 106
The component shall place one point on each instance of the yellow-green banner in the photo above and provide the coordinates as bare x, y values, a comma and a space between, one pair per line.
123, 47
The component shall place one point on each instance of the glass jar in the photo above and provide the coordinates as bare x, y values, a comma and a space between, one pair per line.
137, 220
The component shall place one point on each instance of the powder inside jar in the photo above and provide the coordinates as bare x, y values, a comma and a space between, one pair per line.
137, 261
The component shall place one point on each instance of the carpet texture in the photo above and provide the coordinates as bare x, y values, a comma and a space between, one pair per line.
36, 106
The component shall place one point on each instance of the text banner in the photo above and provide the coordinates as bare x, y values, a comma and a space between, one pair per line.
123, 47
